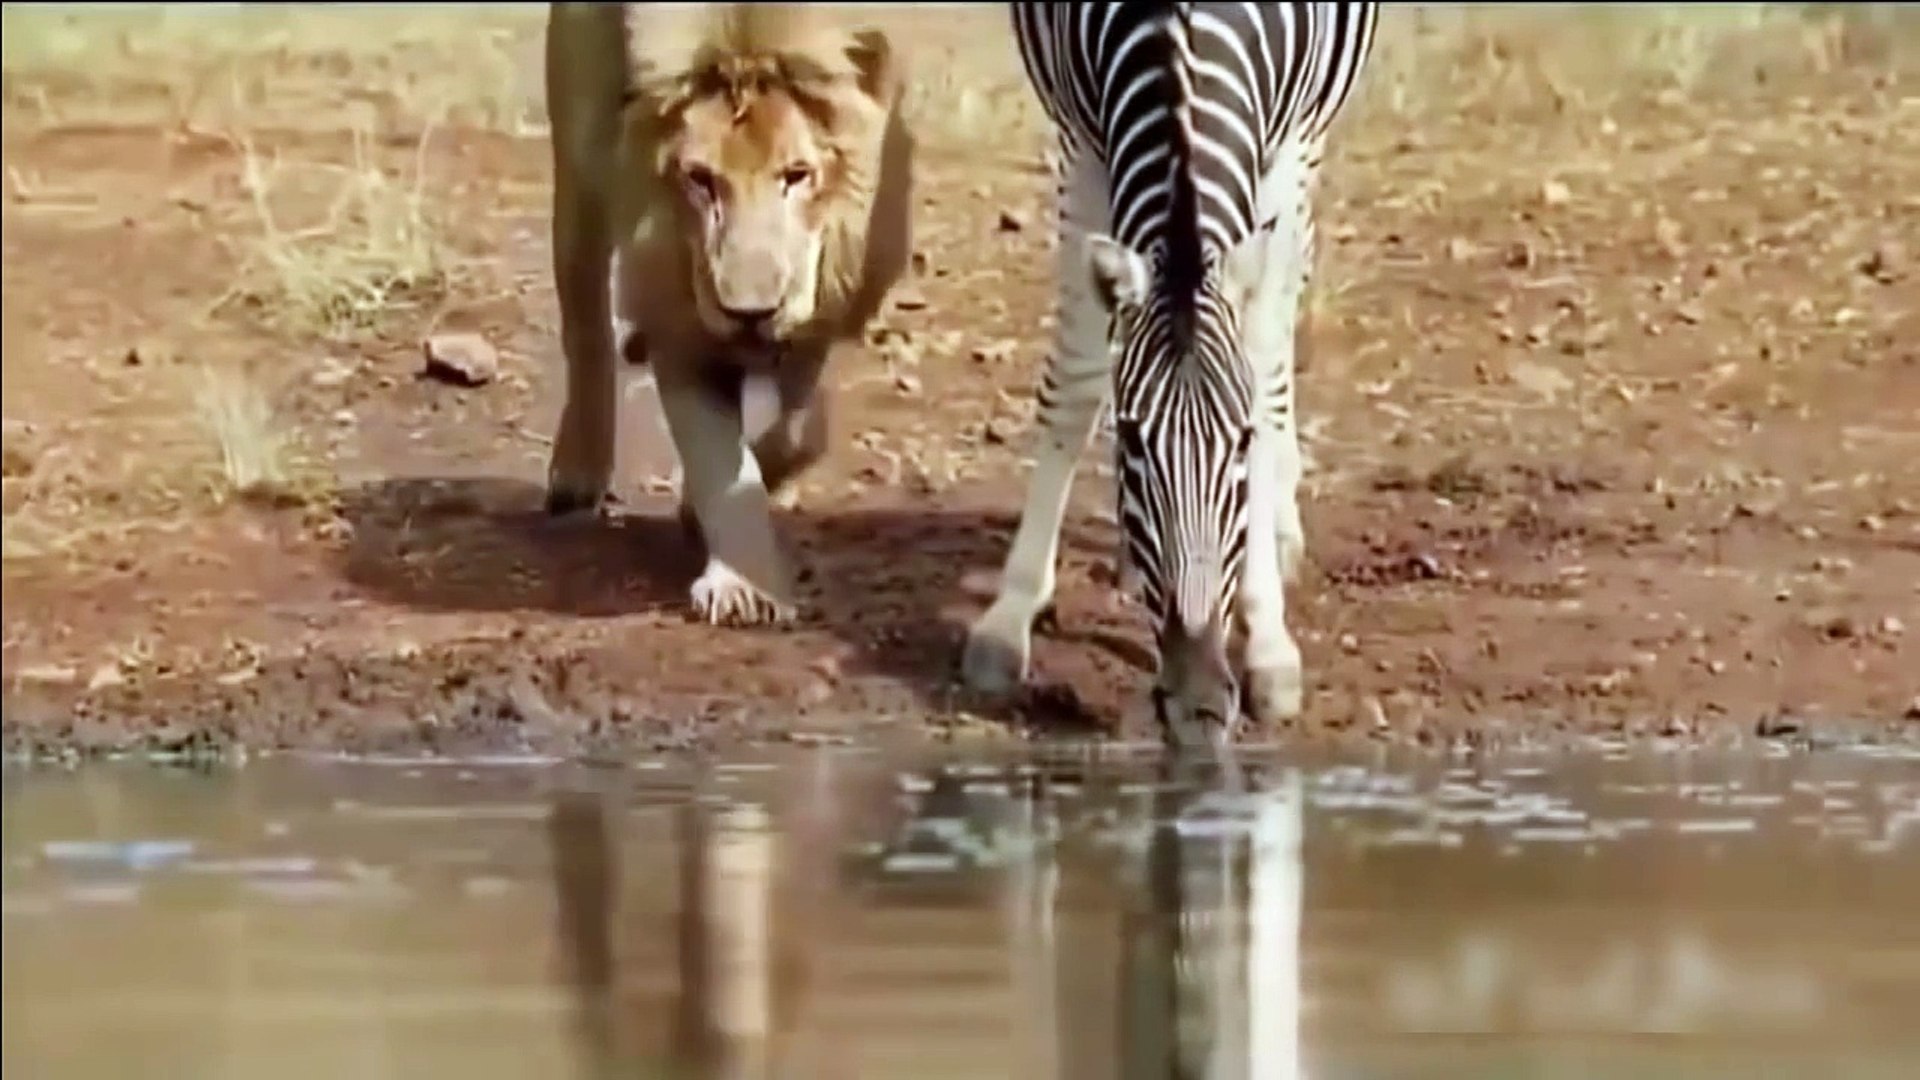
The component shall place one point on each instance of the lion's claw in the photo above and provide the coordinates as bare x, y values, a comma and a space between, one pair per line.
724, 598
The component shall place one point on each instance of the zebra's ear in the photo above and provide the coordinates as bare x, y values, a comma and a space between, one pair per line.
1119, 273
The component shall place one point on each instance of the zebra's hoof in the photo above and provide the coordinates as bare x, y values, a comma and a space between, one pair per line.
1273, 697
991, 664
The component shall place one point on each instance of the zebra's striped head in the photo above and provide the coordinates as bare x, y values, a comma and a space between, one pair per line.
1184, 426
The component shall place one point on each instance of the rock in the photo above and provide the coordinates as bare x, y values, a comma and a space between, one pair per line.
1376, 714
994, 352
1542, 380
899, 352
461, 359
909, 299
1833, 626
1885, 264
333, 372
1011, 221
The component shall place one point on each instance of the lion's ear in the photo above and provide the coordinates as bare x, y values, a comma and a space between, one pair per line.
878, 69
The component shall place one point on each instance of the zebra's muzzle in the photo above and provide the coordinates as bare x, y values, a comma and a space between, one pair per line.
1186, 727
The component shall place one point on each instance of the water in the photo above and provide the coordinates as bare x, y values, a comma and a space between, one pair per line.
842, 913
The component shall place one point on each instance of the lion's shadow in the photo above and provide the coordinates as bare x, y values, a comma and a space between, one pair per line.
895, 585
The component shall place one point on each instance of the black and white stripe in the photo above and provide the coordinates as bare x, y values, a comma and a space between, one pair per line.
1188, 108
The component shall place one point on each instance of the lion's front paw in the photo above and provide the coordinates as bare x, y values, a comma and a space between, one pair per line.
724, 598
578, 477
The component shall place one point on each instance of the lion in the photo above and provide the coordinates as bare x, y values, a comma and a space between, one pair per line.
731, 201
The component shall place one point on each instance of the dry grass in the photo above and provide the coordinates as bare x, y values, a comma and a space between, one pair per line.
258, 452
226, 67
379, 247
397, 72
1540, 61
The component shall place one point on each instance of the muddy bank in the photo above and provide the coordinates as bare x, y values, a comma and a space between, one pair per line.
513, 698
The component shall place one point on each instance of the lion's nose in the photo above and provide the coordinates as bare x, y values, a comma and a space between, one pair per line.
752, 317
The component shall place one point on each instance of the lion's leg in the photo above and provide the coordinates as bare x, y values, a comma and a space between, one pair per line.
581, 468
797, 438
746, 580
1073, 394
794, 445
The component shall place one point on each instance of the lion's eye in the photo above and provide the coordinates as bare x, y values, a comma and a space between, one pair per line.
794, 176
701, 180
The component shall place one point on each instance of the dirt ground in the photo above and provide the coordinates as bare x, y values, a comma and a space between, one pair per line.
1613, 405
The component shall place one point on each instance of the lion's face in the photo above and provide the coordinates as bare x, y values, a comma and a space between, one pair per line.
754, 182
763, 137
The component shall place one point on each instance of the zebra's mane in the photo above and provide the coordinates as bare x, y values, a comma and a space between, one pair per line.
1183, 264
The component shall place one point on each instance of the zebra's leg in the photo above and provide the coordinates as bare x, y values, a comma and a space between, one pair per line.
1073, 394
1294, 269
1272, 659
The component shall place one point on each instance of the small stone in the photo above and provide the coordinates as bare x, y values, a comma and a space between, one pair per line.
1011, 221
461, 359
994, 352
816, 693
828, 668
1554, 193
1891, 626
1836, 627
1376, 714
909, 299
1885, 264
332, 372
899, 352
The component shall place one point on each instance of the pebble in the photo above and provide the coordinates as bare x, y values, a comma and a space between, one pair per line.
461, 359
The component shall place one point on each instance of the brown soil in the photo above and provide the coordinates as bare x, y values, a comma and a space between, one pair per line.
1613, 422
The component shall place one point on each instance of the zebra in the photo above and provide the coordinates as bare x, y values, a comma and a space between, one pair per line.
1190, 137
